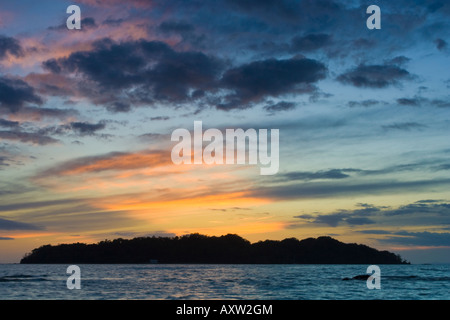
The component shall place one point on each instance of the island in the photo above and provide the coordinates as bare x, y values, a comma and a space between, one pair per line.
202, 249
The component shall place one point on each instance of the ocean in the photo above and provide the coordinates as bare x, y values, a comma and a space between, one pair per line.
228, 282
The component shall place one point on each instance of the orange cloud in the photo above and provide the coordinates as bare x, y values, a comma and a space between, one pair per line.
114, 161
178, 200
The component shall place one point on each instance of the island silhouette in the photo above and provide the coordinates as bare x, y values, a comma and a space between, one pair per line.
225, 249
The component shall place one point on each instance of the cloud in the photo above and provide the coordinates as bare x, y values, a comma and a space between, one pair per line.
36, 205
86, 24
10, 46
270, 78
79, 129
142, 72
414, 102
146, 72
111, 3
159, 118
84, 128
364, 103
433, 239
429, 207
9, 124
330, 189
43, 136
113, 22
113, 161
54, 83
15, 93
441, 44
374, 76
317, 175
418, 101
405, 126
6, 238
27, 137
280, 106
176, 27
14, 225
118, 106
350, 217
440, 103
310, 42
39, 114
434, 212
4, 162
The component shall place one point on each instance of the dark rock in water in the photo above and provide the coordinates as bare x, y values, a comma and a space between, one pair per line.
358, 277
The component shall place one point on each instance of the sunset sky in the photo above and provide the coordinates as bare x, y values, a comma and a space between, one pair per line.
86, 118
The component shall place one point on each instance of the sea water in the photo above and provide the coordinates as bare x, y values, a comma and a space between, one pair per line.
215, 281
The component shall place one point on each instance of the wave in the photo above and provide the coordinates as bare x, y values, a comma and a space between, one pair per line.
402, 278
23, 277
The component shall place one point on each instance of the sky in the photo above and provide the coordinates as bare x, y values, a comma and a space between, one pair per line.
86, 118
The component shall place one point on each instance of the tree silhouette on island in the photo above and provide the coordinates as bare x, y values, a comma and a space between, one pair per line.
226, 249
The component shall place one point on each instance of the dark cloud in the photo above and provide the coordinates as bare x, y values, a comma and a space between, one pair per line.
118, 106
14, 225
441, 44
428, 207
265, 8
10, 46
8, 124
76, 128
280, 106
86, 24
150, 71
363, 43
159, 118
84, 128
434, 239
27, 137
310, 42
318, 175
4, 161
6, 238
374, 76
440, 103
270, 78
109, 3
113, 22
374, 231
35, 113
51, 65
330, 189
320, 15
15, 93
364, 103
350, 217
435, 212
404, 126
415, 102
398, 61
153, 70
175, 27
418, 101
